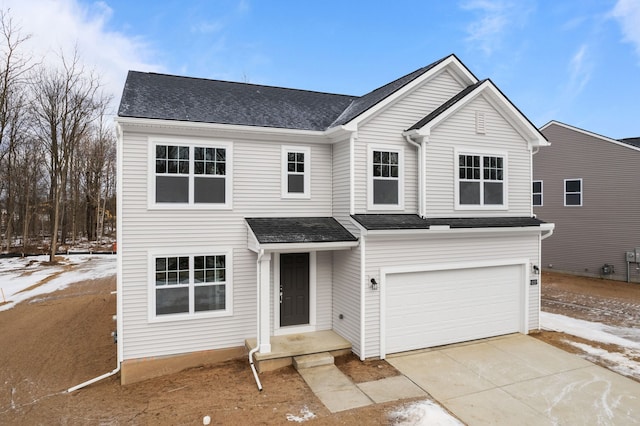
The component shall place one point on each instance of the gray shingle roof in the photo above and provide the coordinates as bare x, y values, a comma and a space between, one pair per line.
377, 222
170, 97
274, 230
631, 141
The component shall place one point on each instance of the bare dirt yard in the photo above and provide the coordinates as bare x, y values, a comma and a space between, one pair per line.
64, 338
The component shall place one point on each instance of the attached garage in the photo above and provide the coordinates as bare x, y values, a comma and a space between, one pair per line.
426, 308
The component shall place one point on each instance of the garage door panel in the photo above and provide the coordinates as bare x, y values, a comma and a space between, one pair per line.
425, 309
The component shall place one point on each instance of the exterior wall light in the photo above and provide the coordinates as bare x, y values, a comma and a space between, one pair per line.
374, 284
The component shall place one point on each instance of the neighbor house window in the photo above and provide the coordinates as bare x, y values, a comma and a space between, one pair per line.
191, 174
191, 285
385, 179
481, 180
537, 193
573, 192
296, 174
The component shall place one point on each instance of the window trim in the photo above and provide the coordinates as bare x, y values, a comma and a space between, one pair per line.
192, 144
541, 193
566, 193
505, 181
306, 150
190, 252
370, 178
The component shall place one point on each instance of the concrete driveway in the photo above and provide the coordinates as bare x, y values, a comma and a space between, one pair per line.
518, 379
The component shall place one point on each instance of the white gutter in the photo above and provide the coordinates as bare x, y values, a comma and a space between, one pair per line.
352, 174
549, 227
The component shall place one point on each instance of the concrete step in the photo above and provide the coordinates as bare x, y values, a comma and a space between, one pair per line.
313, 360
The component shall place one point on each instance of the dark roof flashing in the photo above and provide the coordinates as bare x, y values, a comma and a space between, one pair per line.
379, 222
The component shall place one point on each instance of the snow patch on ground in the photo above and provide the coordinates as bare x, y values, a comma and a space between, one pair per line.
423, 413
25, 278
305, 414
627, 338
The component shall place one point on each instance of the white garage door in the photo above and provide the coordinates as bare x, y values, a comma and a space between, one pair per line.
425, 309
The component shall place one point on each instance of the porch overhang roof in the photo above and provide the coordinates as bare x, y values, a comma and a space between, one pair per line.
287, 234
412, 222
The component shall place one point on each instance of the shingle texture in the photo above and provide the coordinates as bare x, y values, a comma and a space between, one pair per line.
377, 222
631, 141
275, 230
170, 97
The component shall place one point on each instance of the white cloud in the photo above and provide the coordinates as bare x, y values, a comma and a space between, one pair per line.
627, 13
580, 68
63, 25
495, 19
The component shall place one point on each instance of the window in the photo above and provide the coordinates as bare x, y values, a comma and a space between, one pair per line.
190, 285
386, 179
192, 175
537, 193
481, 180
296, 174
573, 192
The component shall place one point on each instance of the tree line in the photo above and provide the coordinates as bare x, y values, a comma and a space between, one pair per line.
57, 151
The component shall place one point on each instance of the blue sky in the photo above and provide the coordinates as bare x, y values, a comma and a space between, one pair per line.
576, 61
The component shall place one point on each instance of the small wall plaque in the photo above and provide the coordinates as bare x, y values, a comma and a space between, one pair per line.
533, 282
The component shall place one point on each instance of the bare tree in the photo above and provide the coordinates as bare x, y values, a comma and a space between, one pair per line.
65, 103
13, 69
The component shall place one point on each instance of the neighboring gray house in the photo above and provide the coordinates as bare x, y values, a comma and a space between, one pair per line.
393, 221
589, 186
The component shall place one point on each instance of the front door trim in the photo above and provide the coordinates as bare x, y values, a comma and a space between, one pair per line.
280, 331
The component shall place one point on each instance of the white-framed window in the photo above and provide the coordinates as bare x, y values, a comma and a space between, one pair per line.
536, 192
190, 284
481, 180
573, 192
386, 178
296, 172
194, 174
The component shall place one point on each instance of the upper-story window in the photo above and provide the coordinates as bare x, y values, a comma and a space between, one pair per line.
573, 192
197, 175
296, 173
537, 193
385, 179
481, 181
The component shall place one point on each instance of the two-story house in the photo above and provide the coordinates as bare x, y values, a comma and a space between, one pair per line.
589, 186
397, 220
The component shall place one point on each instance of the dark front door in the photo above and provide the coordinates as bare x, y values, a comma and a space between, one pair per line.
294, 289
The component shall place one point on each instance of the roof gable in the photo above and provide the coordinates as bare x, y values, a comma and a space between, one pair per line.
631, 143
502, 104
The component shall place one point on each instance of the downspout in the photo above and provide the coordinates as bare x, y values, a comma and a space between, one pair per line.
254, 350
363, 296
420, 152
352, 173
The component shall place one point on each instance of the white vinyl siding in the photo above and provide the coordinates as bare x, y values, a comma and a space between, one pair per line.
385, 129
457, 135
346, 296
340, 182
423, 250
165, 230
